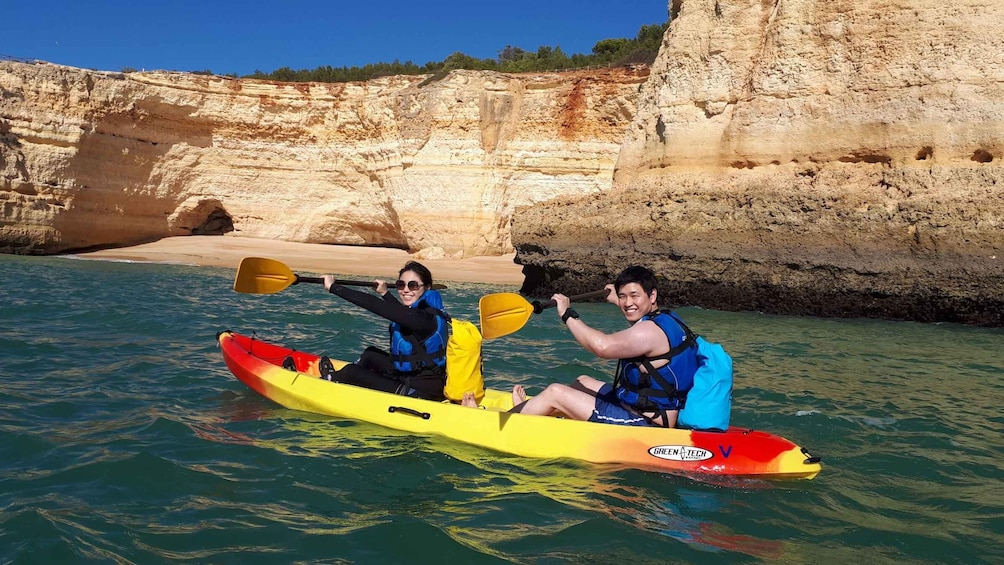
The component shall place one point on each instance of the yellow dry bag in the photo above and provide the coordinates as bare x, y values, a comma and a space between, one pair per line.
463, 362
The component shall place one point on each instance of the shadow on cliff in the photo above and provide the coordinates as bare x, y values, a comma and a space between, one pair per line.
777, 292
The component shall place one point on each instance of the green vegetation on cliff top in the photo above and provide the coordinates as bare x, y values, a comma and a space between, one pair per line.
609, 52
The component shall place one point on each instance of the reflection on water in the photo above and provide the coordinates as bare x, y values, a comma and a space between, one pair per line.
124, 438
479, 479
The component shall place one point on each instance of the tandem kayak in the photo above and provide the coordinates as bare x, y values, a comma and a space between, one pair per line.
738, 452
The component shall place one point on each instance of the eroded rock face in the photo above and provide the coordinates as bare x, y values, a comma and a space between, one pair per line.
837, 158
92, 158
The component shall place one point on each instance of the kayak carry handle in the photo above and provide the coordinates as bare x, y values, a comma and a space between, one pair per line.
409, 411
809, 458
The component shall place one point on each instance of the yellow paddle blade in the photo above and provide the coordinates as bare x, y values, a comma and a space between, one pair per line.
503, 313
258, 275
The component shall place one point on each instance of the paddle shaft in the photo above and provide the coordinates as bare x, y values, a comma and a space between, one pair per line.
344, 282
539, 306
320, 280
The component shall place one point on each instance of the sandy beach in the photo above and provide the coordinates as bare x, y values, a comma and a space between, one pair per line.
225, 251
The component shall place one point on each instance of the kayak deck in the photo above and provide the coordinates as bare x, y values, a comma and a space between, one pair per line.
738, 452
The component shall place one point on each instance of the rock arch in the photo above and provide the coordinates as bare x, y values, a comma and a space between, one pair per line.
200, 216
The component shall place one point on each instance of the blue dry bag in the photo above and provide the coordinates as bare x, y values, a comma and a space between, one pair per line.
709, 402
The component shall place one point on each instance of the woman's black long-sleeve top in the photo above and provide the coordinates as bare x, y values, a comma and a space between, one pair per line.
418, 321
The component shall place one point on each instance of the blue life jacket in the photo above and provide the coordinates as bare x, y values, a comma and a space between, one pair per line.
408, 353
664, 388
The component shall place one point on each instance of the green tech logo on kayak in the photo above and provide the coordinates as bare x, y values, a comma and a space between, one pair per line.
680, 453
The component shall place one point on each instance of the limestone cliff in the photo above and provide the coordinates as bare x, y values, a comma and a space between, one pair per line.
828, 157
90, 158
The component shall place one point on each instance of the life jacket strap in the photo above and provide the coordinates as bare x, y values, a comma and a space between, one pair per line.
646, 392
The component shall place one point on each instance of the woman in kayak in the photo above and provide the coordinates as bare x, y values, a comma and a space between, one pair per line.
416, 363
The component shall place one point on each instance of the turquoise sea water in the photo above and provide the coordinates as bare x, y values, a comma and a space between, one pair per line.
123, 438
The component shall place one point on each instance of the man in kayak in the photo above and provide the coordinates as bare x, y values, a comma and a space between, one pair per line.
658, 359
416, 364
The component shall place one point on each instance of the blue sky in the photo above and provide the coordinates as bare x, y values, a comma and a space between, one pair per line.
230, 36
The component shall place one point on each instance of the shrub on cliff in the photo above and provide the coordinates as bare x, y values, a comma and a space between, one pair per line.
511, 59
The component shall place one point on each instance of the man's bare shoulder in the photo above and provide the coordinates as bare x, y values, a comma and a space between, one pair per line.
647, 338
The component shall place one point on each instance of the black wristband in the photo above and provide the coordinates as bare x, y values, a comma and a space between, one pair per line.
570, 313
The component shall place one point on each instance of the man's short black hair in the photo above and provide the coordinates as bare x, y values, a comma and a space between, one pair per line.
636, 274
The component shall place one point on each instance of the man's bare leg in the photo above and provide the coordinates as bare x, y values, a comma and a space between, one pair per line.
567, 400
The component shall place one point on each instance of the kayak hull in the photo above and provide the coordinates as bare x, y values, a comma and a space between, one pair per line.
738, 452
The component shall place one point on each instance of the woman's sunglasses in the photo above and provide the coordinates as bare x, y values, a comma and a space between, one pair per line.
412, 285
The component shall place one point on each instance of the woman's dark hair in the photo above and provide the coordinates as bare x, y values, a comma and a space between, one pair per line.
636, 274
420, 270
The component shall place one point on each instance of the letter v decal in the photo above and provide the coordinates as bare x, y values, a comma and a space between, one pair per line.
725, 452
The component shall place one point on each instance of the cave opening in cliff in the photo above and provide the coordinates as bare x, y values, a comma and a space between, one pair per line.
982, 156
217, 222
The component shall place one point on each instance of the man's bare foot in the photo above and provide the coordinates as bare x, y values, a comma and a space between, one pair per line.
468, 400
518, 395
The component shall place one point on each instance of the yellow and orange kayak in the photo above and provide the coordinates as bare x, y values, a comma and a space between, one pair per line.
738, 452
